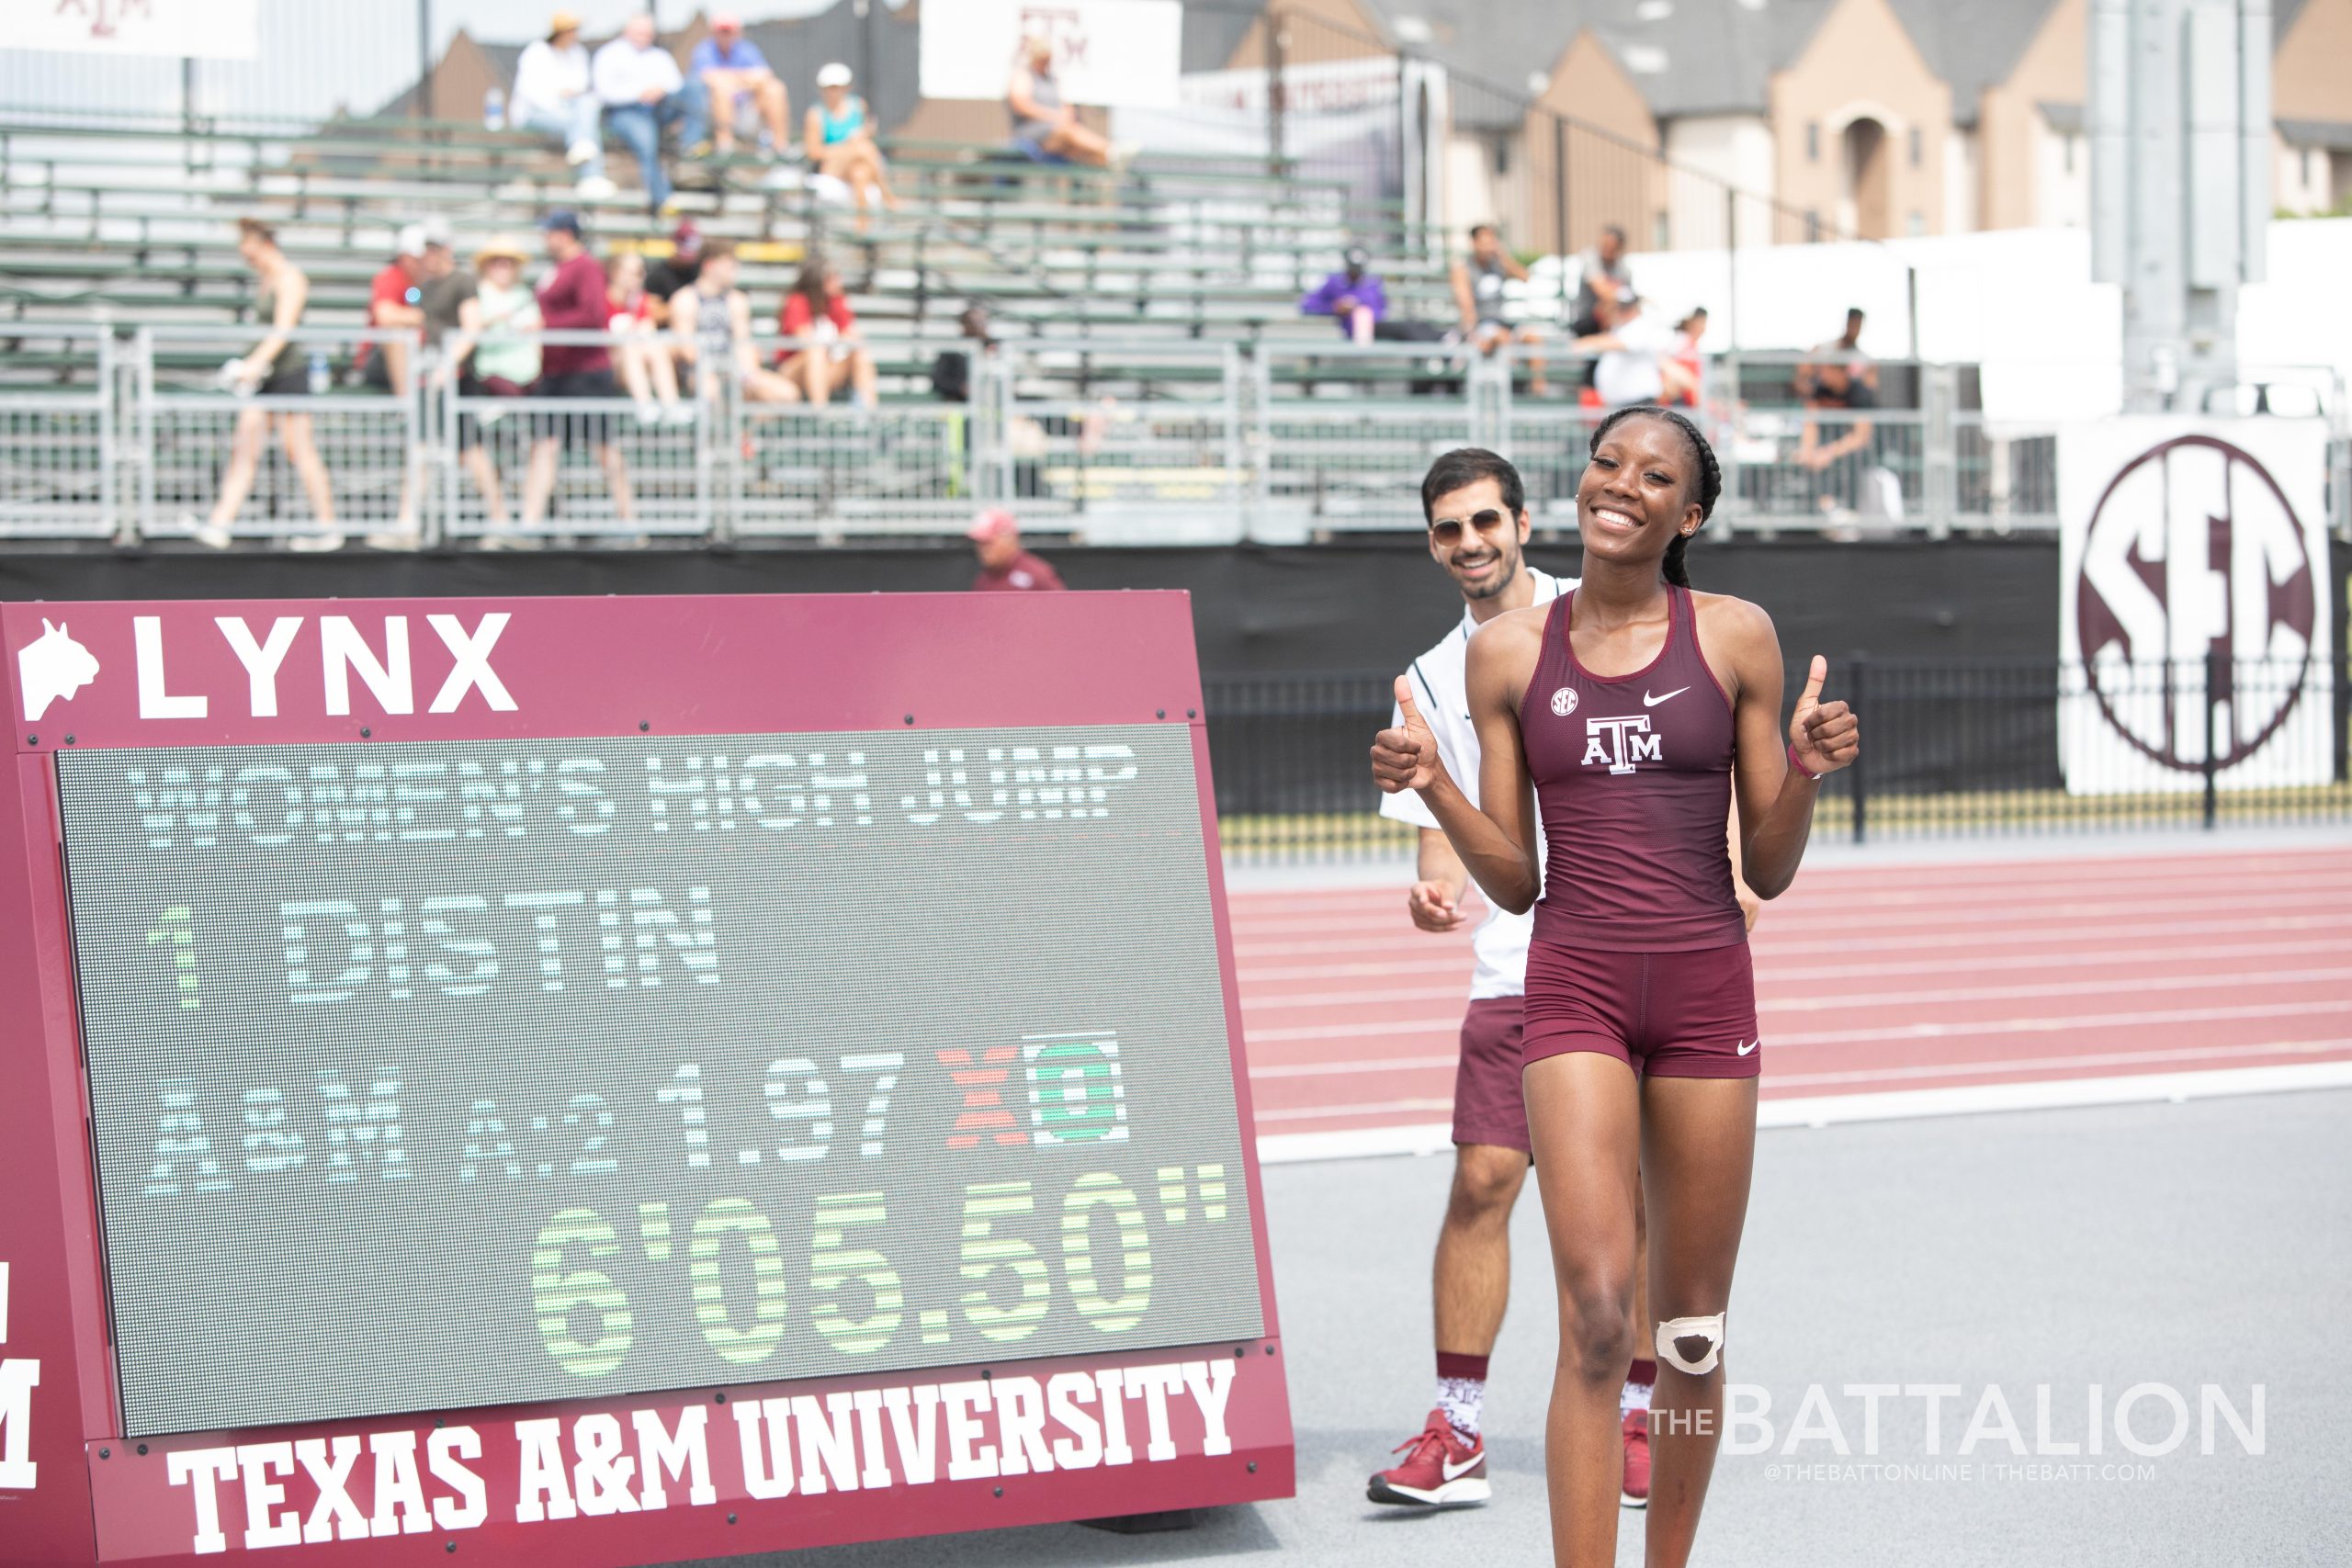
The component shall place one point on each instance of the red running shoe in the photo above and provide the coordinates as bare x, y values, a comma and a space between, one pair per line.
1635, 1492
1440, 1469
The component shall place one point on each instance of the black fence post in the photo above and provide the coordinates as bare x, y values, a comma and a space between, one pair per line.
2214, 675
1858, 681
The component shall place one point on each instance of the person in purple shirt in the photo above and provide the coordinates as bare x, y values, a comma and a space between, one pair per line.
1353, 296
731, 68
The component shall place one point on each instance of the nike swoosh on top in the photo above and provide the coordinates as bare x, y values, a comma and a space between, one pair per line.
1749, 1049
1455, 1471
1651, 702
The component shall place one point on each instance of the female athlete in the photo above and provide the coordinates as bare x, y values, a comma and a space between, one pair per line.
1626, 712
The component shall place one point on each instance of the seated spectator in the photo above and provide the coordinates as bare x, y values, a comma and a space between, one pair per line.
643, 92
1600, 270
951, 372
674, 271
453, 308
1478, 294
274, 368
396, 301
1005, 567
644, 365
840, 143
553, 97
1635, 366
1685, 353
504, 358
1044, 127
729, 69
1354, 297
1838, 376
817, 312
572, 299
714, 318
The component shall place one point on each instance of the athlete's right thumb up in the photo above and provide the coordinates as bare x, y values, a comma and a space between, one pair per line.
1404, 757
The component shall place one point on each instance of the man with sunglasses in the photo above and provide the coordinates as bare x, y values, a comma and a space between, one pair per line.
1475, 508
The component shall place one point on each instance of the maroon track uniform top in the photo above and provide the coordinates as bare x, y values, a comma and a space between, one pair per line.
1024, 574
1633, 780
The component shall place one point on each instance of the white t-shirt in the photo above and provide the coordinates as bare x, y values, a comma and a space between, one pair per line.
1441, 685
625, 73
1631, 374
547, 78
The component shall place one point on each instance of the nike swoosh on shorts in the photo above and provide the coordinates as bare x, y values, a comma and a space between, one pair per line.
1651, 702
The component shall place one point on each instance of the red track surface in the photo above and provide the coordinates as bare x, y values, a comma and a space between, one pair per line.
1868, 978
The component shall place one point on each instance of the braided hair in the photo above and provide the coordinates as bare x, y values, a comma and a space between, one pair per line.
1710, 483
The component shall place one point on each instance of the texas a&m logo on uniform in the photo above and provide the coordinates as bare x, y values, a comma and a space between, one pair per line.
1619, 743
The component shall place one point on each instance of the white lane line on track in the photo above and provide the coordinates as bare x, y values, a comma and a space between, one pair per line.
1823, 1110
2203, 871
1918, 893
1842, 999
1458, 964
1933, 919
1773, 1080
1768, 942
1835, 1037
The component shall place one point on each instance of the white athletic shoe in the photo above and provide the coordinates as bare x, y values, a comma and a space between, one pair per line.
596, 188
205, 532
395, 539
580, 152
315, 544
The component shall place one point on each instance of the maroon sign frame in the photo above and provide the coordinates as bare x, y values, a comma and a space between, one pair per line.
573, 1482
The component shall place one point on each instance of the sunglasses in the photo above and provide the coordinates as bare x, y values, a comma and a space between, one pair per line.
1448, 530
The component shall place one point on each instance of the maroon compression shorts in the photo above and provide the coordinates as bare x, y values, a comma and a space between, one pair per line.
1487, 1106
1681, 1015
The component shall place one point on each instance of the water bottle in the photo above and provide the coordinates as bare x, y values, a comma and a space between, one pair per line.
318, 373
493, 109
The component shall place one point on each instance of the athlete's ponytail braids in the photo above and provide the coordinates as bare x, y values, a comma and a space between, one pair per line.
1709, 480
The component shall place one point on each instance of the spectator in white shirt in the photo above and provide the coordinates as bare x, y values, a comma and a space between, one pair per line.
1637, 364
643, 92
552, 95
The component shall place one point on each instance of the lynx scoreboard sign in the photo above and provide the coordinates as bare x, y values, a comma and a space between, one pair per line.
616, 1080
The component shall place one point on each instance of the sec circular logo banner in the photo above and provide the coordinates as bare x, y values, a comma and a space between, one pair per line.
1563, 701
2193, 601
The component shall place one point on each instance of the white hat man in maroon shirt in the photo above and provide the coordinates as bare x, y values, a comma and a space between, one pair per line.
1005, 567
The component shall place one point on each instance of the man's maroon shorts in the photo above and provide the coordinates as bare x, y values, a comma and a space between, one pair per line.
1681, 1015
1486, 1104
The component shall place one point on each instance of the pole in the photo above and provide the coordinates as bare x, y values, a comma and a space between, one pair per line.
1911, 307
1560, 210
1730, 269
2214, 676
421, 105
1276, 41
1857, 673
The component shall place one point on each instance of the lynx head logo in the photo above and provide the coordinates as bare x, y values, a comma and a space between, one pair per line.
52, 666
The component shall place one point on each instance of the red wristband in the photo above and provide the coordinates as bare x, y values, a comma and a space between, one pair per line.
1798, 763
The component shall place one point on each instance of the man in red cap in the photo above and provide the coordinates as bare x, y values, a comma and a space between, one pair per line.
730, 69
1005, 567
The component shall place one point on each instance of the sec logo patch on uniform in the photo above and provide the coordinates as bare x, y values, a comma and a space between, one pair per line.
1563, 701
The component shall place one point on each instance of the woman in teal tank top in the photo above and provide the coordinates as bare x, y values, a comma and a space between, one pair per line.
840, 140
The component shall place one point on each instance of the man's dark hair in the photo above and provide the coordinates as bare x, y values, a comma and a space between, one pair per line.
1478, 229
1466, 466
1853, 312
1612, 231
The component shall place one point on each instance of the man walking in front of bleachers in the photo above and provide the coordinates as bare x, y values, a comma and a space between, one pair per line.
1005, 567
643, 92
572, 299
554, 96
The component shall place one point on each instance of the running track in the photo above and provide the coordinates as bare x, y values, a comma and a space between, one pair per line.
1922, 987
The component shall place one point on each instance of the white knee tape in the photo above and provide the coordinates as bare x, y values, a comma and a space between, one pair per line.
1710, 1328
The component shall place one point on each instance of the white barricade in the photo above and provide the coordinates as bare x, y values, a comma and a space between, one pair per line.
57, 464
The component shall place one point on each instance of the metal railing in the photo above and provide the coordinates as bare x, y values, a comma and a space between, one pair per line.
1986, 748
57, 433
152, 436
